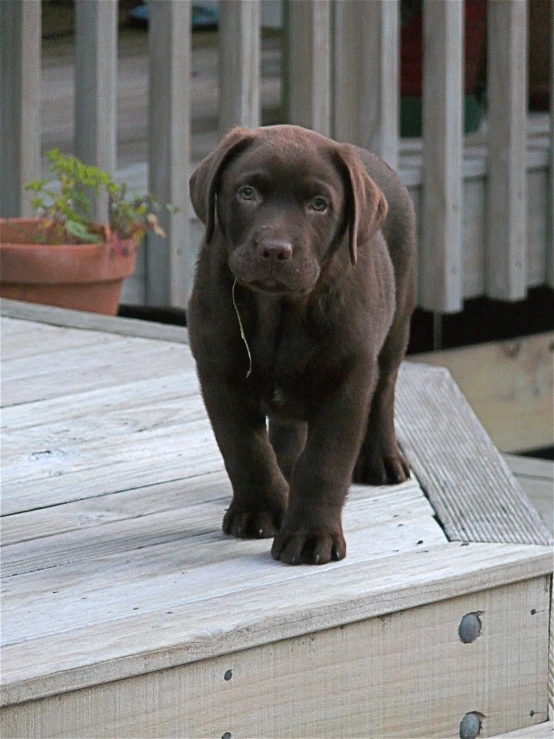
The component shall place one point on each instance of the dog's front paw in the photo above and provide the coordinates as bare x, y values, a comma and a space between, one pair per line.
252, 524
294, 547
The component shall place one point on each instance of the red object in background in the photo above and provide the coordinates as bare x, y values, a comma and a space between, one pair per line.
411, 61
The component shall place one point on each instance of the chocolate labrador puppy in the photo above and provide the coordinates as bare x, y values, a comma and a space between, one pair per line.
300, 313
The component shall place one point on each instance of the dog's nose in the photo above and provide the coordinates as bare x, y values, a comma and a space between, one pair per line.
275, 249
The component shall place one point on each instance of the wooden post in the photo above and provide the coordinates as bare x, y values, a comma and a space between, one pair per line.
96, 87
239, 63
507, 116
167, 277
441, 263
550, 215
308, 78
365, 86
20, 42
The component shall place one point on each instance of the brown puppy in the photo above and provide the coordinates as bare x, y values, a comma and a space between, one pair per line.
300, 313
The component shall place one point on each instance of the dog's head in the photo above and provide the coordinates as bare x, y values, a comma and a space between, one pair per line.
285, 199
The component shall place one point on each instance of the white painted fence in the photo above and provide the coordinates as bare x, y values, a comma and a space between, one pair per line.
479, 214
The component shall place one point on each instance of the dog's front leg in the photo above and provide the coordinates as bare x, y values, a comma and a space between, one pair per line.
259, 489
312, 528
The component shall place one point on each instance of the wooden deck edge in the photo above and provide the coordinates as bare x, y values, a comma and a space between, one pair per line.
532, 467
441, 573
469, 484
92, 321
538, 731
509, 384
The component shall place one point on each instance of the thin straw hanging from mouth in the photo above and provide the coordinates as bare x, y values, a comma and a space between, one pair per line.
242, 331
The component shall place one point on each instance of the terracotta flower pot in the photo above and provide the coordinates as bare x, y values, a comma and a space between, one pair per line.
86, 277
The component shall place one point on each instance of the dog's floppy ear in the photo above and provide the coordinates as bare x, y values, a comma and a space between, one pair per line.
366, 206
204, 181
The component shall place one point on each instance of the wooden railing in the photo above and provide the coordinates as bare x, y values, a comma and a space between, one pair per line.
341, 77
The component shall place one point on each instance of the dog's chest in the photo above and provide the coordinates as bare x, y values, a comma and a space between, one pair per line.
281, 349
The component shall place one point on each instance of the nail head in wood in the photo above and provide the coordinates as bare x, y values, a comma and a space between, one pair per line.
228, 675
470, 725
470, 628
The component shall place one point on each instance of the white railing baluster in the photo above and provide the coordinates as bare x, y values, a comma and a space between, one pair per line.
309, 64
365, 95
167, 263
507, 113
440, 262
96, 87
20, 45
239, 63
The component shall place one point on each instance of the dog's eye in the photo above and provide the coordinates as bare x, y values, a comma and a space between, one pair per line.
318, 203
246, 193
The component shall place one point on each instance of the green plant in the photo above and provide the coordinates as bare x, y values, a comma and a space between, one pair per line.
67, 212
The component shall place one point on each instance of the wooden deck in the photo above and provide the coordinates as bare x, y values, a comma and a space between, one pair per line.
126, 611
536, 477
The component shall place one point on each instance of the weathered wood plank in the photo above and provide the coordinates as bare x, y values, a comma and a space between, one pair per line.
469, 484
539, 731
197, 511
207, 497
116, 427
440, 272
532, 467
540, 493
117, 506
39, 339
15, 328
239, 64
507, 110
170, 496
366, 75
537, 235
550, 686
198, 546
20, 49
104, 404
83, 368
308, 93
229, 615
89, 321
95, 88
53, 477
169, 50
386, 677
536, 477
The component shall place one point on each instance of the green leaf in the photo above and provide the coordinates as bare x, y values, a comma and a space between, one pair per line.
36, 185
38, 204
81, 232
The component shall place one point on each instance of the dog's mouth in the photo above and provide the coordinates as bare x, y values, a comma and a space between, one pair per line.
269, 285
287, 277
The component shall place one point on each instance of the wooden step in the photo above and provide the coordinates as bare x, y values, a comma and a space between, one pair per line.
126, 612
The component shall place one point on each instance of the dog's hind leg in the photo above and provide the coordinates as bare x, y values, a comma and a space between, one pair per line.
380, 461
288, 441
